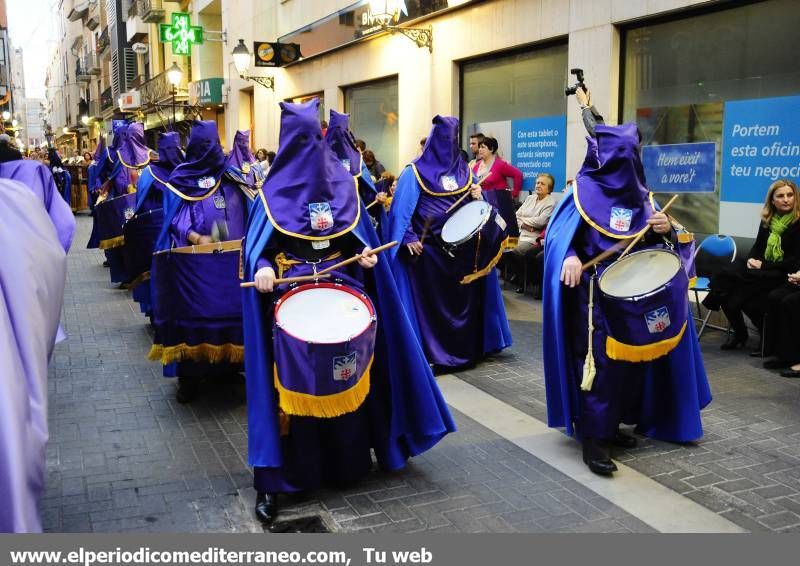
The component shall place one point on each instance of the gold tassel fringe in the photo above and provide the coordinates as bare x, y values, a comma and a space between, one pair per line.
589, 370
139, 280
323, 406
481, 272
111, 243
648, 352
210, 353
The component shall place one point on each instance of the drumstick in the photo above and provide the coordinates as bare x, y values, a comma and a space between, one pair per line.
289, 280
425, 229
629, 242
373, 203
359, 256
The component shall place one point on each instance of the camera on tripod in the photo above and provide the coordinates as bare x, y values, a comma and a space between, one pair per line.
579, 76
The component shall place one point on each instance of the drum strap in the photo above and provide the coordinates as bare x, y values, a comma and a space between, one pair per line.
589, 371
284, 263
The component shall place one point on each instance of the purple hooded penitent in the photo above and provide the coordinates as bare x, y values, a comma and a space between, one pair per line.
170, 155
132, 150
32, 276
308, 193
340, 139
205, 161
612, 195
440, 167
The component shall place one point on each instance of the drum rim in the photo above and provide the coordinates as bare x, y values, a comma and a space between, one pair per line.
319, 284
485, 219
648, 293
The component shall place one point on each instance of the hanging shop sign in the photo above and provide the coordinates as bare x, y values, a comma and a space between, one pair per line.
274, 54
206, 91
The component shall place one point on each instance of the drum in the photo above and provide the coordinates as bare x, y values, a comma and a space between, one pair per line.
197, 304
645, 300
140, 234
476, 232
112, 214
324, 339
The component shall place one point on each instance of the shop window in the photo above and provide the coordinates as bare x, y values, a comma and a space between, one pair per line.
678, 75
374, 117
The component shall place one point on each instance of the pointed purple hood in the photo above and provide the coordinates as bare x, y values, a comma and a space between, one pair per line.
205, 162
340, 139
98, 151
241, 165
440, 168
132, 149
308, 194
611, 193
169, 155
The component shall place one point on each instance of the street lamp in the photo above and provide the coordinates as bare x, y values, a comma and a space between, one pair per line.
241, 59
174, 76
6, 115
384, 12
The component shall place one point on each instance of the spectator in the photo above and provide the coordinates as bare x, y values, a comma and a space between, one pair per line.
270, 157
375, 167
475, 142
87, 158
783, 312
361, 145
532, 218
492, 173
261, 157
324, 125
743, 289
422, 143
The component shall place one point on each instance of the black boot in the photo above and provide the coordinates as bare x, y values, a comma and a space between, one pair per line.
187, 390
736, 340
624, 440
597, 458
266, 507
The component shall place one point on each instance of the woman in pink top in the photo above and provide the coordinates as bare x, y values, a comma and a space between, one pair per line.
492, 174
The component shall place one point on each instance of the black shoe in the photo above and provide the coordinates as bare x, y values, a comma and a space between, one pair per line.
266, 507
776, 363
597, 458
756, 354
624, 440
106, 264
519, 290
734, 342
790, 373
187, 390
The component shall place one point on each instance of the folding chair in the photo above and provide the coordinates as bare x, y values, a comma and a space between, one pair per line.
717, 248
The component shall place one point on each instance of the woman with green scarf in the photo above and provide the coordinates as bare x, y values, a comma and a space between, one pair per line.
773, 256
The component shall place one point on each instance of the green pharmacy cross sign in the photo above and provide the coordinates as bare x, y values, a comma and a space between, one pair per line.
181, 34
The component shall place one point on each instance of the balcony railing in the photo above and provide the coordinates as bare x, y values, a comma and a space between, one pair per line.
106, 99
151, 11
158, 89
103, 41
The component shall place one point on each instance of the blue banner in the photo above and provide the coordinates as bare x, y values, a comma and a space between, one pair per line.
681, 167
540, 146
760, 144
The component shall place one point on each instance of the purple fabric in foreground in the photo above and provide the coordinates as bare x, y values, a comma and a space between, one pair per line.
613, 195
440, 166
32, 276
307, 191
199, 300
38, 179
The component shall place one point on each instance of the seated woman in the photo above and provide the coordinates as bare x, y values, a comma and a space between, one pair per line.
780, 332
776, 250
492, 173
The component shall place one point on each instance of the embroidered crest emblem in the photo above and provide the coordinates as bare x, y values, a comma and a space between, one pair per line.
206, 182
219, 201
320, 215
620, 219
449, 183
344, 367
245, 168
128, 213
657, 320
346, 164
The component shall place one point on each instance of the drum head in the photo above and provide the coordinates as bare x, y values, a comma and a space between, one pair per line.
465, 222
639, 273
323, 314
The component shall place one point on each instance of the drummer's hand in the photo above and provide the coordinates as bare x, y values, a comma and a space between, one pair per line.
265, 280
794, 278
367, 261
583, 97
415, 248
571, 271
475, 192
660, 223
381, 197
753, 263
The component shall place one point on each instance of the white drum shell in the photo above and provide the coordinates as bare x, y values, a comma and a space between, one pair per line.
466, 222
639, 274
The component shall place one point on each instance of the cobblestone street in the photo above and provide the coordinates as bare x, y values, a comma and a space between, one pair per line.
124, 456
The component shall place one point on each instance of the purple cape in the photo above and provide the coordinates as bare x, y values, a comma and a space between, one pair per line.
169, 156
610, 191
205, 162
340, 139
98, 151
132, 150
440, 169
38, 179
32, 276
308, 194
